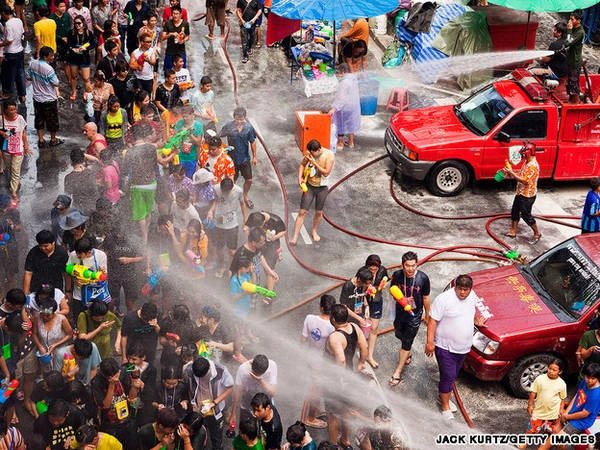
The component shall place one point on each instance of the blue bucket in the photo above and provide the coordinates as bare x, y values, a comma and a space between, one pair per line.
369, 91
46, 358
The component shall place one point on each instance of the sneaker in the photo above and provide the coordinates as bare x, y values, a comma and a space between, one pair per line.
453, 407
447, 415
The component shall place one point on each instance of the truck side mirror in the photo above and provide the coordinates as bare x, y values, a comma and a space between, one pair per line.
502, 136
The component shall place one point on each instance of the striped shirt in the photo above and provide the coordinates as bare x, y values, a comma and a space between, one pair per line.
43, 80
530, 172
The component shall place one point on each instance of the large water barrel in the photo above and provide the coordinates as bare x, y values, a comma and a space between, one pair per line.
369, 91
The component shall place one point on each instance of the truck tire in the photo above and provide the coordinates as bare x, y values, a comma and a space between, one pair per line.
521, 376
447, 178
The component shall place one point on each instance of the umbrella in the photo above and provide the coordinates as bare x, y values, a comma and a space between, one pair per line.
332, 10
544, 6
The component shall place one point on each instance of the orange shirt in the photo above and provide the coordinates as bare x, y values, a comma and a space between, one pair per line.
530, 171
360, 30
223, 167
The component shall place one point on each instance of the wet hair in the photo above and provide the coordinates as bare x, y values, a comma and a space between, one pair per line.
168, 73
111, 101
200, 367
196, 225
578, 14
255, 219
206, 80
558, 363
176, 8
54, 381
77, 156
179, 170
373, 260
105, 157
193, 421
142, 131
109, 367
249, 427
260, 364
14, 323
176, 58
45, 237
83, 245
152, 14
313, 145
46, 51
162, 220
591, 370
85, 435
140, 96
409, 256
339, 313
326, 303
226, 185
212, 312
82, 347
364, 275
98, 308
136, 349
181, 313
243, 261
121, 67
383, 412
58, 408
594, 183
46, 289
183, 195
326, 445
148, 312
561, 27
170, 372
168, 418
295, 433
47, 303
76, 390
240, 111
16, 297
464, 281
214, 141
186, 109
256, 234
260, 400
188, 352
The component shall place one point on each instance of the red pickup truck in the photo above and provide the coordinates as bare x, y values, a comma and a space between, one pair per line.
535, 312
447, 146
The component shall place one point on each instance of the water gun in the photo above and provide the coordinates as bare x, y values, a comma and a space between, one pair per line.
141, 59
166, 151
228, 149
186, 85
41, 406
153, 280
194, 260
303, 185
6, 392
371, 290
507, 164
4, 238
68, 364
85, 275
203, 350
130, 18
252, 288
399, 296
382, 283
85, 46
173, 336
180, 37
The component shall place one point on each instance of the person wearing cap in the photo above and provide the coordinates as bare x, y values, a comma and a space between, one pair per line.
275, 229
73, 225
10, 222
61, 207
205, 194
216, 161
527, 180
45, 263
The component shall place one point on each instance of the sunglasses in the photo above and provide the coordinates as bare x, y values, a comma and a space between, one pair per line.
46, 311
147, 42
78, 23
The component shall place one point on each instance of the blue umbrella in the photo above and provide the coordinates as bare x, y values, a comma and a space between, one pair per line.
332, 10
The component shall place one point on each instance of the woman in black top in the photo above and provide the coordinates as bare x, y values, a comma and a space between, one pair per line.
80, 41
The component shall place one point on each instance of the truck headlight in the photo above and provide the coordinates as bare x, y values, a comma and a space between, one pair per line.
484, 344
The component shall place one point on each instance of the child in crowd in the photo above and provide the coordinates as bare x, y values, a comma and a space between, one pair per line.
298, 438
248, 437
172, 393
139, 371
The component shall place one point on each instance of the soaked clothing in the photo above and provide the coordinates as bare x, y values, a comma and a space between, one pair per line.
351, 343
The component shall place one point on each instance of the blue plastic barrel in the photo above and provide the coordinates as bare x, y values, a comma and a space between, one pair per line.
369, 91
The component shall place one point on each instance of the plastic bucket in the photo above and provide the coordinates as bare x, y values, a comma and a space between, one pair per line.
500, 175
46, 358
366, 329
380, 24
369, 91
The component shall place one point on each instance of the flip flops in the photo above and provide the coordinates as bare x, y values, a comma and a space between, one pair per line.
316, 423
394, 381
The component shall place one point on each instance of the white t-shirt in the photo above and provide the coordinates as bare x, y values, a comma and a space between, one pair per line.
32, 303
202, 100
455, 318
317, 330
226, 211
94, 262
249, 386
183, 76
147, 72
13, 31
181, 217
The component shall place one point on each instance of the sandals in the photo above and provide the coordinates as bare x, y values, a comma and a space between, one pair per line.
42, 144
394, 381
373, 363
73, 97
512, 236
535, 239
245, 59
316, 423
249, 203
56, 142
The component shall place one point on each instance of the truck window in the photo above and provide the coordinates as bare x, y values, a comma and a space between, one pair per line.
483, 111
527, 125
569, 277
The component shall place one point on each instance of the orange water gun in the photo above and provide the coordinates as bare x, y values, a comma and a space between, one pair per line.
399, 296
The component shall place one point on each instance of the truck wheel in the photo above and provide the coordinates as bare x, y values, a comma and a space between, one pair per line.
448, 178
521, 376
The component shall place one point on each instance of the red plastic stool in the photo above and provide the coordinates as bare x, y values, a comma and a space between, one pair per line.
398, 99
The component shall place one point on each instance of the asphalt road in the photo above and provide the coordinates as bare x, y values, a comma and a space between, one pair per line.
362, 204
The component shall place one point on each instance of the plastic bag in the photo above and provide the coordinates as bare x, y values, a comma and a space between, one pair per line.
395, 54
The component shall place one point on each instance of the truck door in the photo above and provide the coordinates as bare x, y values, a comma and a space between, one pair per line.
529, 125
